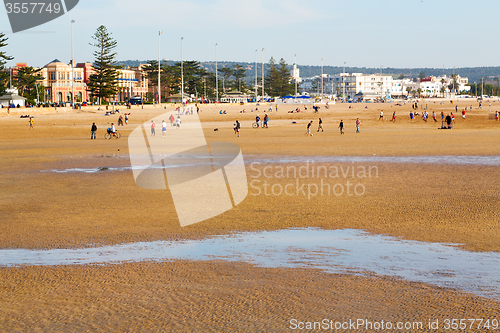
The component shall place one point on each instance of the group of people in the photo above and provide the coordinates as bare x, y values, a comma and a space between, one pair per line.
265, 121
173, 122
320, 127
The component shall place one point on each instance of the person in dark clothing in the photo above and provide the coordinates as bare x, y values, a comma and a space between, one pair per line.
93, 132
448, 122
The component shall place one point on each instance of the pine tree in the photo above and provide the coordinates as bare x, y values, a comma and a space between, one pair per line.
278, 79
104, 82
4, 76
26, 81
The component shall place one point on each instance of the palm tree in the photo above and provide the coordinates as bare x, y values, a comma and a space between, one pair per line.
419, 91
408, 90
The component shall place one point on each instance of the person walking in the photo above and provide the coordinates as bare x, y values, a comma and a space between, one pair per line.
153, 125
266, 122
434, 116
31, 123
341, 126
381, 115
394, 117
178, 122
237, 128
308, 132
163, 128
358, 123
496, 115
93, 132
126, 118
320, 126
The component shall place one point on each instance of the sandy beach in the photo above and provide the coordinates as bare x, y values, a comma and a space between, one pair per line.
425, 188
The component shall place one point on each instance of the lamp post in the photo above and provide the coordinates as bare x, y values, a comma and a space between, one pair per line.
159, 70
262, 72
295, 74
182, 74
256, 76
216, 77
343, 81
72, 68
321, 78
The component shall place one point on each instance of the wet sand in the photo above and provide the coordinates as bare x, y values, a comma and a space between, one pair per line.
427, 202
213, 296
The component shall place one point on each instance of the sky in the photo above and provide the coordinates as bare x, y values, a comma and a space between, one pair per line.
361, 33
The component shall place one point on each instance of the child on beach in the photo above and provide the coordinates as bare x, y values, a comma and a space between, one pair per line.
411, 116
153, 125
358, 123
496, 115
163, 128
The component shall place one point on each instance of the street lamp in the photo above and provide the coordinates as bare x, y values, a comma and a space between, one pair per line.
159, 70
295, 74
343, 81
72, 68
182, 74
255, 75
216, 78
262, 72
321, 78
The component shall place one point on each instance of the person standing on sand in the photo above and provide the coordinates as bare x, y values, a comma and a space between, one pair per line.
452, 118
93, 132
411, 116
381, 115
320, 126
358, 123
463, 115
163, 128
308, 132
171, 120
434, 116
153, 125
31, 123
237, 128
496, 115
394, 116
341, 126
126, 118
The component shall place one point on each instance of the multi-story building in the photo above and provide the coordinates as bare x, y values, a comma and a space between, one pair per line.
59, 84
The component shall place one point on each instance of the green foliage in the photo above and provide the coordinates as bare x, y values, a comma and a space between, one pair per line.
103, 84
26, 81
278, 79
4, 76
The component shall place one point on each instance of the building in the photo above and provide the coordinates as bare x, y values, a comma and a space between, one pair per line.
58, 78
59, 84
